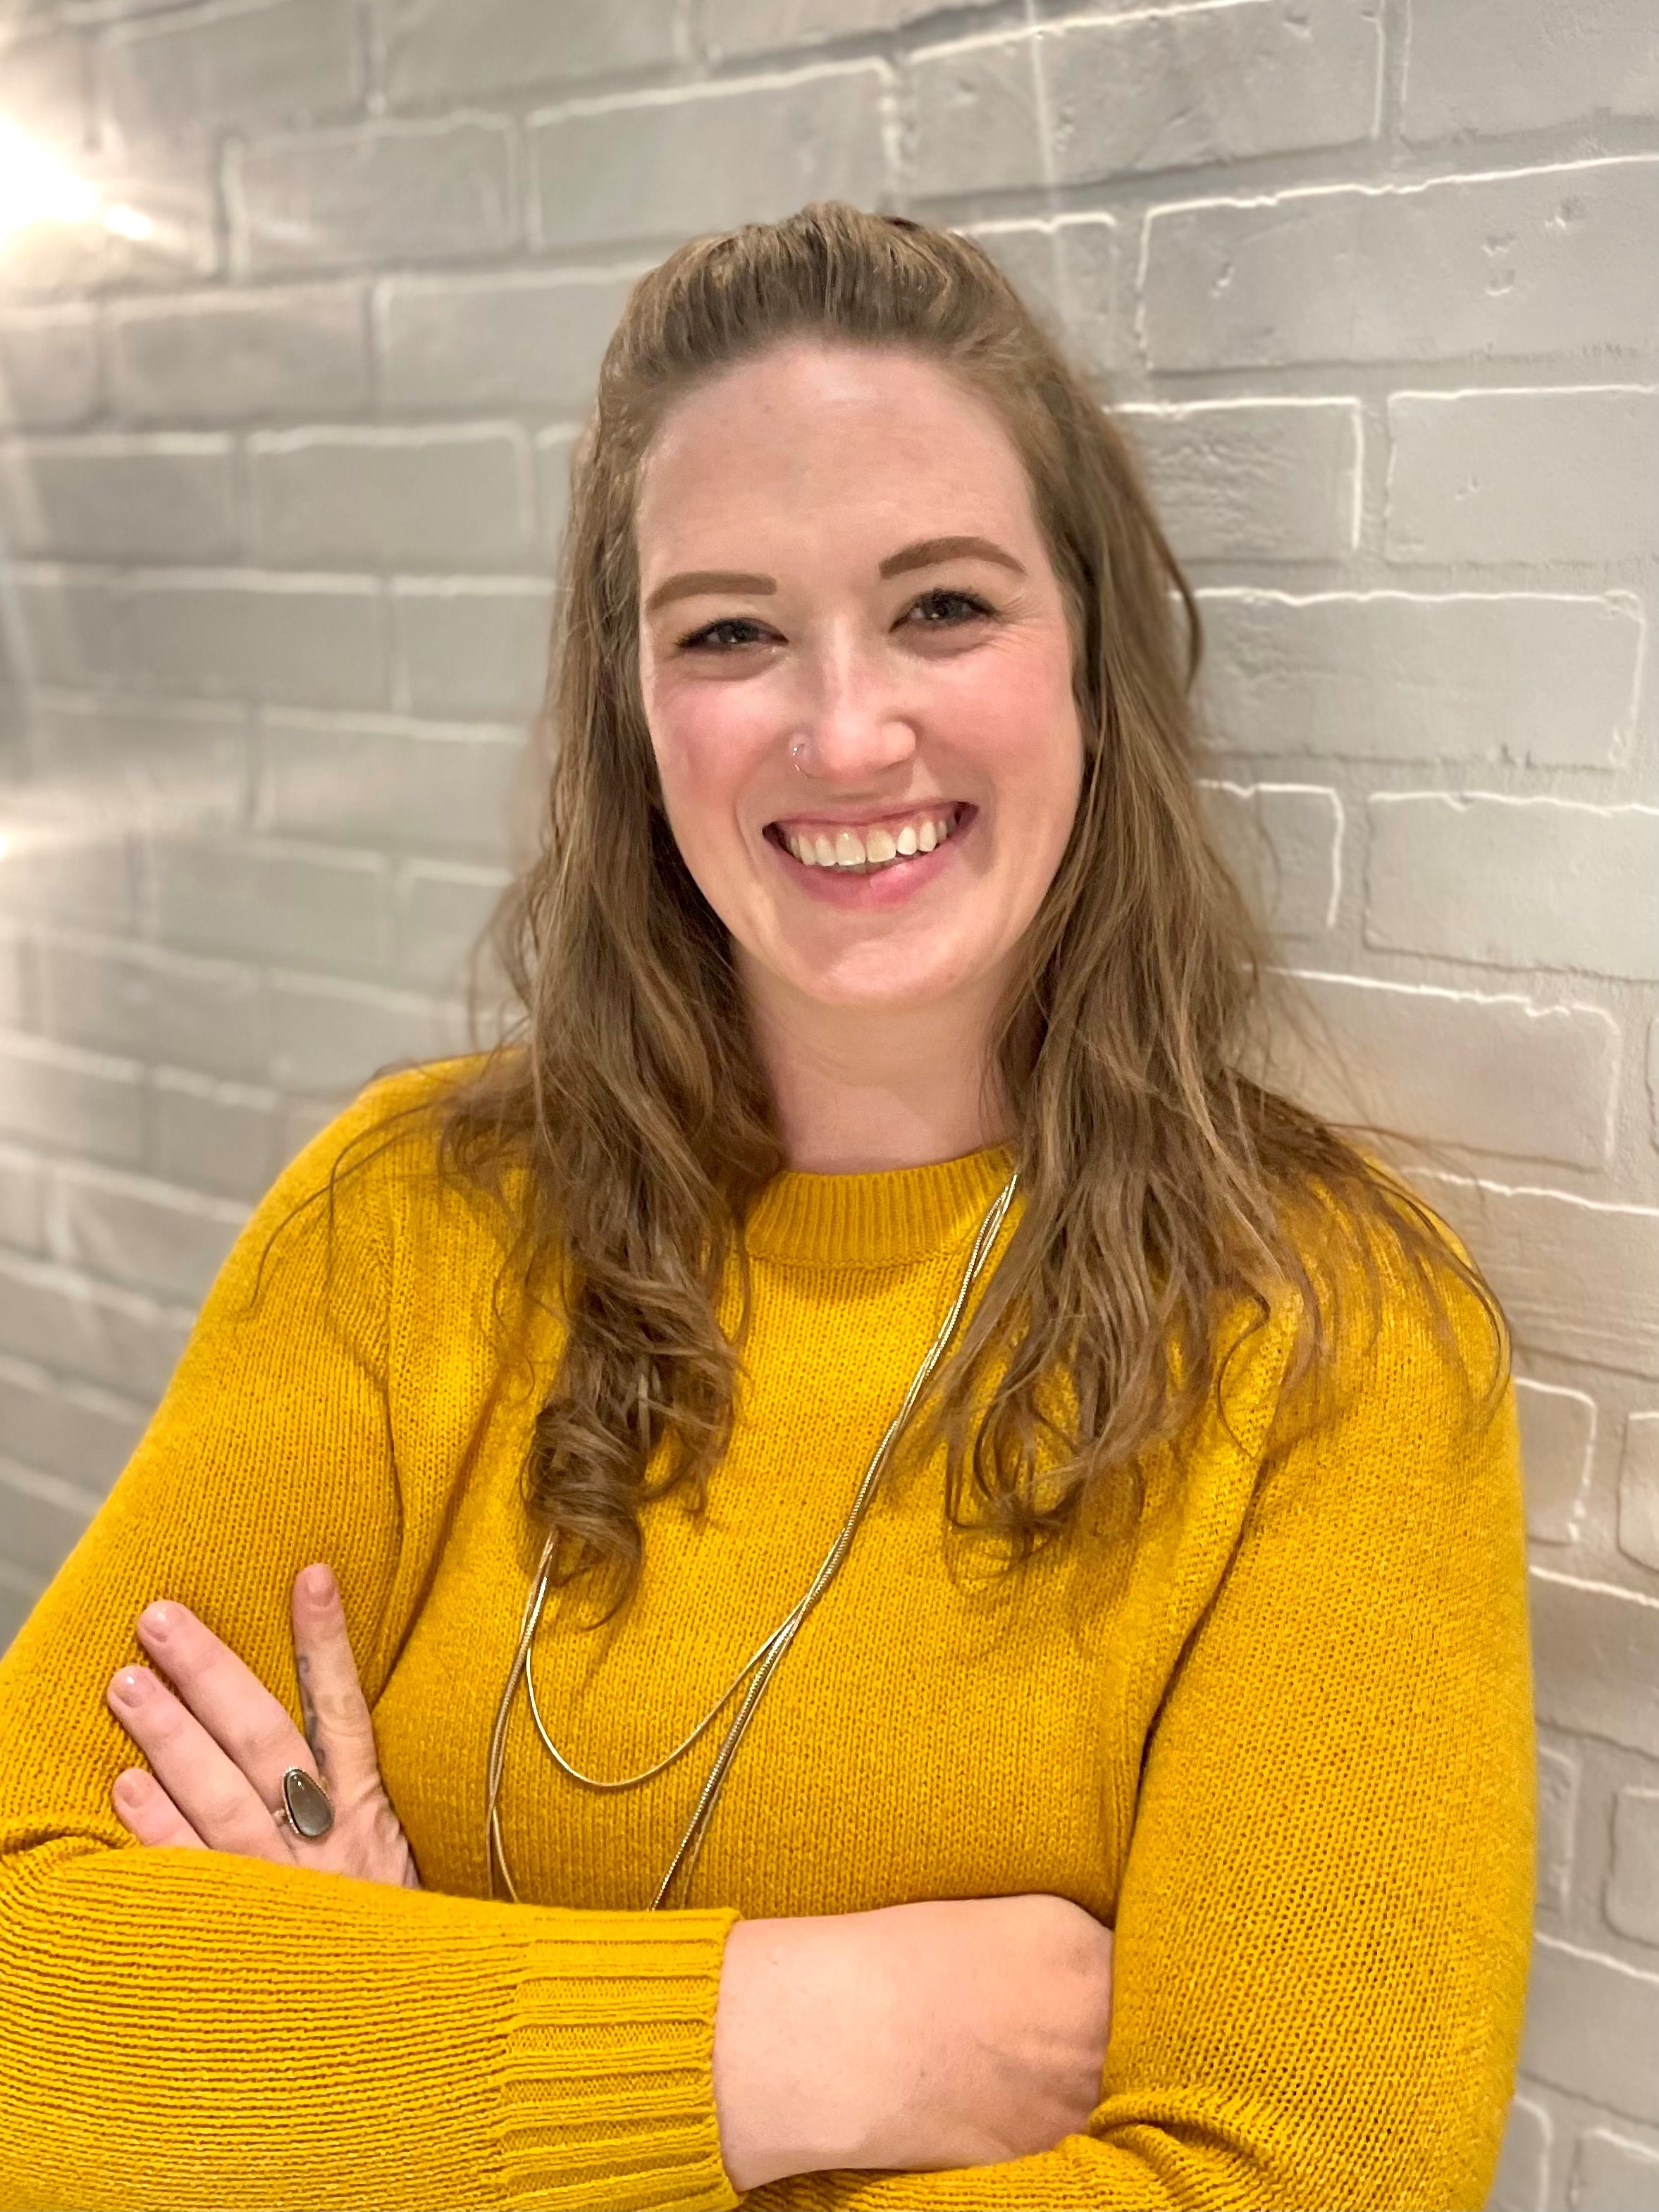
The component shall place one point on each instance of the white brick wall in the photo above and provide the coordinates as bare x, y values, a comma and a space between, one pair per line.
1374, 282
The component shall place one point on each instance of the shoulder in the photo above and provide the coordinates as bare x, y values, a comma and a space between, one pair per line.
1393, 1321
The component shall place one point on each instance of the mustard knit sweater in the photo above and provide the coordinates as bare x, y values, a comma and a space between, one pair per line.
1275, 1731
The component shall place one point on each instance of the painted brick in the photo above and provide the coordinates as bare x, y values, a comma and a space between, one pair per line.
165, 765
73, 628
23, 1202
1558, 1445
45, 75
1610, 2173
453, 500
1495, 1074
1557, 1803
16, 967
387, 192
302, 905
206, 1014
71, 1429
1638, 1490
1523, 2173
1516, 882
1551, 680
1067, 268
705, 157
1252, 479
43, 1516
450, 50
553, 452
60, 862
1159, 89
442, 911
1522, 475
520, 339
1595, 1656
122, 499
747, 26
147, 1234
19, 1592
1631, 1900
380, 782
213, 1136
238, 357
312, 641
1592, 2026
175, 239
332, 1036
1283, 844
1490, 267
68, 1100
51, 371
237, 68
1599, 57
1576, 1276
472, 651
1652, 1071
115, 1338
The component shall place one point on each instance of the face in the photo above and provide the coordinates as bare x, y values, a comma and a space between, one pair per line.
838, 553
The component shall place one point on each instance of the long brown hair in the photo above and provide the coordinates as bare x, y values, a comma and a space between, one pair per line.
622, 1119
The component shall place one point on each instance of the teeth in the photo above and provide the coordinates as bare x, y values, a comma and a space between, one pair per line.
877, 848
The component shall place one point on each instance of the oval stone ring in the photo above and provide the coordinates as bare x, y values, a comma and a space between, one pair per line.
307, 1806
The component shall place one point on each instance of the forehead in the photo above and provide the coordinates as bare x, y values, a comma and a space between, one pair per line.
810, 436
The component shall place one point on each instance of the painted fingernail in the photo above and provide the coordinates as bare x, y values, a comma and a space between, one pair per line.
132, 1684
156, 1619
317, 1583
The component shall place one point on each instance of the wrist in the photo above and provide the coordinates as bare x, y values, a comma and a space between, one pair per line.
795, 2034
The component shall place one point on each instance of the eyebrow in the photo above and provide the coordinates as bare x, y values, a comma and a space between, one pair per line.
925, 553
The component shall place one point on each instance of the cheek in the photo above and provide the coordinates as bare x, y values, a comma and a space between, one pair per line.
708, 739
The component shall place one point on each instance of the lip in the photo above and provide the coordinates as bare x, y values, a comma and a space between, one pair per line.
849, 817
888, 887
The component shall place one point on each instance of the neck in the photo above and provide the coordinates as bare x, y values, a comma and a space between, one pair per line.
861, 1089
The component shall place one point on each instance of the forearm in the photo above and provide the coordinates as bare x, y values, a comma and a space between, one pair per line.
181, 2027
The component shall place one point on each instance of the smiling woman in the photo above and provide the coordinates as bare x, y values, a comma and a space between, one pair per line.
917, 1584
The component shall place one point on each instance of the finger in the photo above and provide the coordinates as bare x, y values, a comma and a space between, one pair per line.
338, 1726
148, 1813
211, 1791
254, 1728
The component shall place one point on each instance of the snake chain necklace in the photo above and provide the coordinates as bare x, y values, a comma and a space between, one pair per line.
763, 1662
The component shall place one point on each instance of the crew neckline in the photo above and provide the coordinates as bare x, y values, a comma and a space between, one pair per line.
884, 1215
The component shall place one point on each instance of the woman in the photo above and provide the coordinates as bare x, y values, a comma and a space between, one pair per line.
882, 1004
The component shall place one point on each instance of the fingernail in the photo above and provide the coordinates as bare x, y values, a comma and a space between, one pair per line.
317, 1583
156, 1619
132, 1684
131, 1786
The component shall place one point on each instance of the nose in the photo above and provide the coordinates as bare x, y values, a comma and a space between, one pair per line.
851, 714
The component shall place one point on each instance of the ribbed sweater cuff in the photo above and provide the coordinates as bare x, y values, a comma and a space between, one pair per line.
608, 2083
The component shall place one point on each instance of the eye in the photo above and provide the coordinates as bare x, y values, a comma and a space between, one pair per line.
724, 636
943, 609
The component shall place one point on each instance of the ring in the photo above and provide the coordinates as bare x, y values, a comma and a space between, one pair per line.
307, 1806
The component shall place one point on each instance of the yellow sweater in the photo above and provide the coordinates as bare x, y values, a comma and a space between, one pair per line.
1277, 1735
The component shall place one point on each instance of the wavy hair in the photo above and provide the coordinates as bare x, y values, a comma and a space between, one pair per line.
623, 1120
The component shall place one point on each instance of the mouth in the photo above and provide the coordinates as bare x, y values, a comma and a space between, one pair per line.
873, 844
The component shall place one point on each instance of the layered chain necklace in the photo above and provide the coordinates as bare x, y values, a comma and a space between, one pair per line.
763, 1662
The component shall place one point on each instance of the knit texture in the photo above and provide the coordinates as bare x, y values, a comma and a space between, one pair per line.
1270, 1719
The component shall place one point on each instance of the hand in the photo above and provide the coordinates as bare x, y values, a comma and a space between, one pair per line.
217, 1758
920, 2035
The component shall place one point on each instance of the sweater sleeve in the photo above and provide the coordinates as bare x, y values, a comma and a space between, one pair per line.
1324, 1921
181, 2027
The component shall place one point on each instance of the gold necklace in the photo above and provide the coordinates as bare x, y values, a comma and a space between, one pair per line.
762, 1663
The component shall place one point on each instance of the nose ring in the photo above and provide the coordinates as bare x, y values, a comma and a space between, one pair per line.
795, 752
